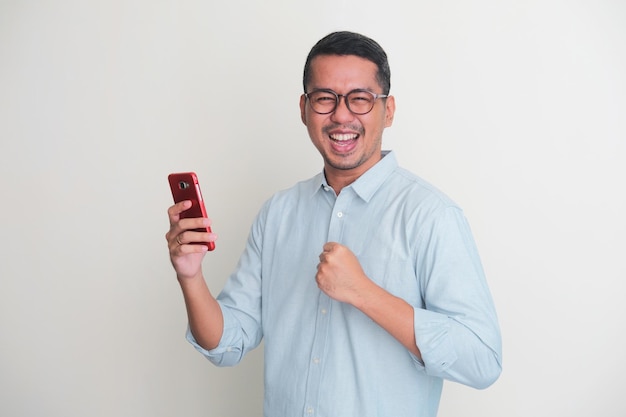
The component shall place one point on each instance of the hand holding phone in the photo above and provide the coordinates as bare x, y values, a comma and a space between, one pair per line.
185, 186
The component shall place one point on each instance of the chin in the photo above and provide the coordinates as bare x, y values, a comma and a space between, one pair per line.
344, 164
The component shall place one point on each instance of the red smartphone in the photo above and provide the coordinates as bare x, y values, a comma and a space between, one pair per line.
185, 186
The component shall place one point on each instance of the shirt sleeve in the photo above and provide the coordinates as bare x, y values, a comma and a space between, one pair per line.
240, 301
457, 331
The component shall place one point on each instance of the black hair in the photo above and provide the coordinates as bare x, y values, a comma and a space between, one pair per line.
350, 43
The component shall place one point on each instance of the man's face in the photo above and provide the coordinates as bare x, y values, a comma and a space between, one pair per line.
350, 144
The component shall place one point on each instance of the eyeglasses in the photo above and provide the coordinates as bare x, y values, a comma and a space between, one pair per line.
358, 101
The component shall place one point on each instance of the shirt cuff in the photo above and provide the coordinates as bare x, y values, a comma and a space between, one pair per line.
433, 340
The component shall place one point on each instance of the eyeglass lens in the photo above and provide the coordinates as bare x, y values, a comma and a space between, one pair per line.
358, 101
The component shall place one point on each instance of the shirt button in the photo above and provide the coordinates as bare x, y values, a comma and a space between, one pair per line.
316, 360
340, 214
324, 311
309, 410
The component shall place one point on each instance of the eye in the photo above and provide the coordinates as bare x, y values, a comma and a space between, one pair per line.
323, 98
360, 97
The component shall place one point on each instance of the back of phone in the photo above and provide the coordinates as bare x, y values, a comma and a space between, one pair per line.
185, 186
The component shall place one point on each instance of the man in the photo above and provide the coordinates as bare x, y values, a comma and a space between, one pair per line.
364, 281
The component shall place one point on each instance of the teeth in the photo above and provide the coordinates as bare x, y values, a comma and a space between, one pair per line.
344, 137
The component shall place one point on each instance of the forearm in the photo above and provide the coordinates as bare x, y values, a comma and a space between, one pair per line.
204, 314
391, 313
450, 349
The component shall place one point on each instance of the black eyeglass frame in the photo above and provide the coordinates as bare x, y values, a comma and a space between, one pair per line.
345, 98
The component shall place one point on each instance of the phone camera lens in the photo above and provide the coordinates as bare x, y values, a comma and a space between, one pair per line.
183, 185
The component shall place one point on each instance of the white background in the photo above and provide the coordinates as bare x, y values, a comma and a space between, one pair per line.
515, 109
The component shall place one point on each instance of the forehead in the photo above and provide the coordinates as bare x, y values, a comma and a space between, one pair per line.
342, 73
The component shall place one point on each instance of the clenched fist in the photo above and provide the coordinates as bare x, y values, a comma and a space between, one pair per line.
340, 275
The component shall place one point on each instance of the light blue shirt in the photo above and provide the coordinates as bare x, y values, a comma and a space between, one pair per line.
325, 358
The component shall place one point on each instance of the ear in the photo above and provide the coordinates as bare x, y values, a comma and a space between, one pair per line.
390, 109
303, 108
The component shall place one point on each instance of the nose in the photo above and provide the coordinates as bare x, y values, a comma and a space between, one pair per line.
342, 112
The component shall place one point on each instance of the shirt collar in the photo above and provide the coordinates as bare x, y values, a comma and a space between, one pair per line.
366, 185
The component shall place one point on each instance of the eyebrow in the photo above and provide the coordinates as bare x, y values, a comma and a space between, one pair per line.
349, 91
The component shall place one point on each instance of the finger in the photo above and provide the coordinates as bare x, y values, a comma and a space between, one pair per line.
179, 226
174, 240
174, 211
194, 223
330, 246
192, 237
187, 248
324, 257
189, 242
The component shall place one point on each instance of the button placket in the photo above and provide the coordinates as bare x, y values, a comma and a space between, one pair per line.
314, 379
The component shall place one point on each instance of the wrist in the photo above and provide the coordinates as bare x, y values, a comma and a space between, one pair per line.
194, 279
366, 294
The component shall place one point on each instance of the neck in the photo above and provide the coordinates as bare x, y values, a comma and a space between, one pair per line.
338, 179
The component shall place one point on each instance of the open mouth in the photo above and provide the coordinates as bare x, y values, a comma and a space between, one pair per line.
343, 137
343, 141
